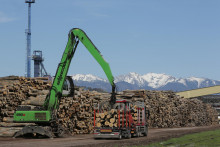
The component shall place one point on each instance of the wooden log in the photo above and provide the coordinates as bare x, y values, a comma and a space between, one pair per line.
98, 124
9, 131
102, 115
106, 123
108, 116
8, 119
112, 120
110, 124
113, 111
37, 101
5, 124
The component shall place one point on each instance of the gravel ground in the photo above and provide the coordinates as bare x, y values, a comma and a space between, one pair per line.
155, 135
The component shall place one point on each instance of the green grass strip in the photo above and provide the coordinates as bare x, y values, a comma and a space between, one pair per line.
203, 139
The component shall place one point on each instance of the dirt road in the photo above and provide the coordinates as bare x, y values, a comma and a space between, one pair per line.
155, 135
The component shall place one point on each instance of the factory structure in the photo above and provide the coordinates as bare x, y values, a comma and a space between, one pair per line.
39, 70
37, 57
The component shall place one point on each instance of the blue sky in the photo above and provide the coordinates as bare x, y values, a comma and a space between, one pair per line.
179, 38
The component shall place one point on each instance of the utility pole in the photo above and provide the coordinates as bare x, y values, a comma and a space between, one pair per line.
28, 33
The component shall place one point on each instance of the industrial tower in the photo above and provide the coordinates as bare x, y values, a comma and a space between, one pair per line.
38, 64
28, 33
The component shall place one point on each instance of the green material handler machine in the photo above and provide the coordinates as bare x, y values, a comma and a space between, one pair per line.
45, 117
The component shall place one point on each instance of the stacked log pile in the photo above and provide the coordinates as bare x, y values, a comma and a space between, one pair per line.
117, 117
169, 110
107, 118
14, 90
213, 100
76, 113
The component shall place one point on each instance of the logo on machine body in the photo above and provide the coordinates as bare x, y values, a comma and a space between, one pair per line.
20, 114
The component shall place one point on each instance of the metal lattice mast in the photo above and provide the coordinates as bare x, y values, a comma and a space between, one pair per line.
28, 33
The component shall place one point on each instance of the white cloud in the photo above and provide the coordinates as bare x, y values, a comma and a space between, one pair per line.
4, 18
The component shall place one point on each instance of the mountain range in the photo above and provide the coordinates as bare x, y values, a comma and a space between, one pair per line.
149, 81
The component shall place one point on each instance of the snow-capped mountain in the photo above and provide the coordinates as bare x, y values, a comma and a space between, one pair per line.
88, 78
151, 81
132, 78
92, 81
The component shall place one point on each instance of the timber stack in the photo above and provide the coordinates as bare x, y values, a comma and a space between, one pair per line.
169, 110
15, 90
107, 118
76, 113
124, 114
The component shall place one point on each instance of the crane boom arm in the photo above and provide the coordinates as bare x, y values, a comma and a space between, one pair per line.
75, 35
81, 35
